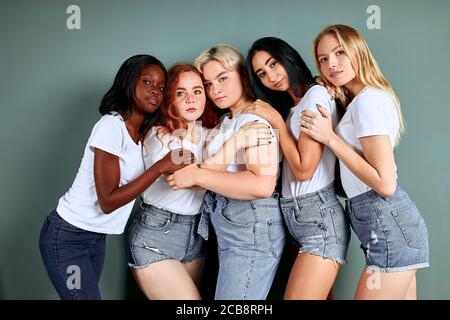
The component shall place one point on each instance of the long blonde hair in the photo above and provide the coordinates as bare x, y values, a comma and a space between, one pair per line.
364, 65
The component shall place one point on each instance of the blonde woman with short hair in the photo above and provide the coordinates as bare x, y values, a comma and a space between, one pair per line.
241, 203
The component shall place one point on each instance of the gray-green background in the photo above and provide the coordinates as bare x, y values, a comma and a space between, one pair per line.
52, 80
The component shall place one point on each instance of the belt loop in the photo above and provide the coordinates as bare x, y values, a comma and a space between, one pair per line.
322, 196
347, 206
296, 203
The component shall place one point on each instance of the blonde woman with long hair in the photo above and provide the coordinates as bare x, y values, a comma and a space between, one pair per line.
392, 231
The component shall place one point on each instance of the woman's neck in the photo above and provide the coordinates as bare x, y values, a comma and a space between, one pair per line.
354, 87
193, 132
242, 103
295, 98
133, 124
297, 95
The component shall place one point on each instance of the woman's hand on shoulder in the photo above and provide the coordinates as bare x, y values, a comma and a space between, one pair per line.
253, 134
266, 111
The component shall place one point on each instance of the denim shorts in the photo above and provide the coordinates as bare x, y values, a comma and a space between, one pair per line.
250, 237
157, 234
318, 223
392, 232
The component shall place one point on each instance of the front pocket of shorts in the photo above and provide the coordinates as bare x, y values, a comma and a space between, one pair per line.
306, 222
237, 215
307, 215
411, 225
155, 221
340, 224
276, 237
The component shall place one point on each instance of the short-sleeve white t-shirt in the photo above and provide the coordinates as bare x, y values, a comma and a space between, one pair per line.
79, 206
159, 194
324, 174
224, 130
371, 113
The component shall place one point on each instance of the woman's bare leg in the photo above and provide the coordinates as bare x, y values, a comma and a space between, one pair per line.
376, 285
311, 277
166, 280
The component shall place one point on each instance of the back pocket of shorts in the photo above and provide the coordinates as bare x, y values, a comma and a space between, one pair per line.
412, 225
364, 213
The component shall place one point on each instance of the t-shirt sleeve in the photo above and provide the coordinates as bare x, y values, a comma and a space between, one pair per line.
107, 135
246, 118
374, 115
316, 95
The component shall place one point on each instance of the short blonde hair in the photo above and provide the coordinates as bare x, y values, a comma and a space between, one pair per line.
364, 65
230, 58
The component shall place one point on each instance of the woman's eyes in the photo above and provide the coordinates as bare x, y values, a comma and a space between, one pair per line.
183, 93
340, 52
261, 75
207, 84
322, 60
147, 82
222, 79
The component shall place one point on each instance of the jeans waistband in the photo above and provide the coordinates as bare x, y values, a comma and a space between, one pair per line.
174, 217
324, 195
372, 196
217, 197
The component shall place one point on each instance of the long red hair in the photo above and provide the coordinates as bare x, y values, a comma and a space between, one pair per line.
169, 120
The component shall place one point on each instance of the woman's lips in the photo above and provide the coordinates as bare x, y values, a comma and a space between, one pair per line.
153, 101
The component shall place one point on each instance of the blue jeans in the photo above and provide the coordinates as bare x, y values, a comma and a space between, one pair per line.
73, 258
250, 237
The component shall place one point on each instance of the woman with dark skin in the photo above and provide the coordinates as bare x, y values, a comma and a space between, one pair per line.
111, 176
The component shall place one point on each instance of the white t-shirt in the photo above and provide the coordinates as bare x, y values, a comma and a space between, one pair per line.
224, 130
371, 113
324, 174
79, 206
159, 194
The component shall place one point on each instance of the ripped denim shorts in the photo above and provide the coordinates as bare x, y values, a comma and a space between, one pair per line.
157, 234
318, 223
392, 232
